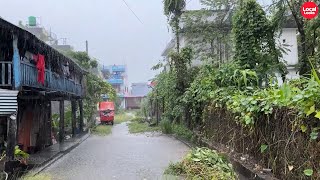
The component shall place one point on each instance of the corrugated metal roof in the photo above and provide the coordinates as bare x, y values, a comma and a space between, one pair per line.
8, 102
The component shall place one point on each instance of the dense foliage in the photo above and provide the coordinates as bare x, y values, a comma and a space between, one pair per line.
255, 46
246, 89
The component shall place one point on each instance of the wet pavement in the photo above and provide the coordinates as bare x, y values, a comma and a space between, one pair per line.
120, 155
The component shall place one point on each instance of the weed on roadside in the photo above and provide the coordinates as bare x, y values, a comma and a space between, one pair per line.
203, 163
123, 117
31, 176
179, 130
137, 127
102, 130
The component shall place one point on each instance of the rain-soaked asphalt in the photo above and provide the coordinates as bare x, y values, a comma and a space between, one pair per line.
120, 155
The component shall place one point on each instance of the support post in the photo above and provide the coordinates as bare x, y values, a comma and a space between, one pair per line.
61, 122
74, 117
12, 132
16, 64
49, 124
81, 115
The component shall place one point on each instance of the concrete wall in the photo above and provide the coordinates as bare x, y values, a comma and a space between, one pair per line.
289, 39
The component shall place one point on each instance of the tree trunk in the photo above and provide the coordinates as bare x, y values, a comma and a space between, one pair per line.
305, 66
177, 33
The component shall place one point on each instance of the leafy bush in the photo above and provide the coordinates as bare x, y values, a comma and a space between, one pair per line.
166, 126
203, 163
182, 131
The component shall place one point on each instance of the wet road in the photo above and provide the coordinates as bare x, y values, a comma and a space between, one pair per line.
119, 156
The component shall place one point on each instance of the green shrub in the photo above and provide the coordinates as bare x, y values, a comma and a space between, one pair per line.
166, 126
203, 163
182, 131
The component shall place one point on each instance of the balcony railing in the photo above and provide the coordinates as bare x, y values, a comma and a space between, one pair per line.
29, 78
6, 73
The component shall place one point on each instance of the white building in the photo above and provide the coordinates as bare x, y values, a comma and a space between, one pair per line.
287, 40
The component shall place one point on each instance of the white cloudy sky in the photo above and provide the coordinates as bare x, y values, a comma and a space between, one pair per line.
115, 35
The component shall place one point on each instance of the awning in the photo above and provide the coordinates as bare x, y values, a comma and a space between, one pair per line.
8, 102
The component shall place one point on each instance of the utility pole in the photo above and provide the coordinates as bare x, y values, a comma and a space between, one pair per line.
87, 47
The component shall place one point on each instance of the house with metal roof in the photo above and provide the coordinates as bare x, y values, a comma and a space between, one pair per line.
32, 75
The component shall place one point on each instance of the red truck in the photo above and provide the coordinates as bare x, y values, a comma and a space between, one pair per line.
106, 111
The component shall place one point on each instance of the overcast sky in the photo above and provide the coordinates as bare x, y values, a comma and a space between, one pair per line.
115, 35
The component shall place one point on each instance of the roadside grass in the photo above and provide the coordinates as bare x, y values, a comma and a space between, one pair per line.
124, 117
31, 176
102, 130
203, 163
141, 127
177, 129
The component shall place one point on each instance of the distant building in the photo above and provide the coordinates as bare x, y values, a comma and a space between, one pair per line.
139, 91
116, 75
35, 28
63, 47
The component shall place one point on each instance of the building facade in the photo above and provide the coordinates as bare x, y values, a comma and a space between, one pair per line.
117, 76
32, 75
139, 91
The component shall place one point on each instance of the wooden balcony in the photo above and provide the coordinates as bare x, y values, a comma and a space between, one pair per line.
29, 78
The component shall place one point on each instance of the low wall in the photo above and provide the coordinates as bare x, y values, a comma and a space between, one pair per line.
289, 151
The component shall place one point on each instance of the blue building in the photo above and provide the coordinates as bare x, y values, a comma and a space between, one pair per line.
116, 75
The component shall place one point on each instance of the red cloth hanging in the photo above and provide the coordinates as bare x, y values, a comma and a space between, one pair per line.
41, 68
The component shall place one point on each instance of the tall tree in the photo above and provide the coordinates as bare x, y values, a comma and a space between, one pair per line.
254, 39
173, 10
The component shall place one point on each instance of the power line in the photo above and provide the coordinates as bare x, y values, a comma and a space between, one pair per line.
132, 11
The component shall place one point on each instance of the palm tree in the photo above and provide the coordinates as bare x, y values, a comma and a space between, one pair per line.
173, 10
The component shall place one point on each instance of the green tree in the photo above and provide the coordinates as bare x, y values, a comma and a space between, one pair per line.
83, 59
173, 10
254, 41
95, 86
